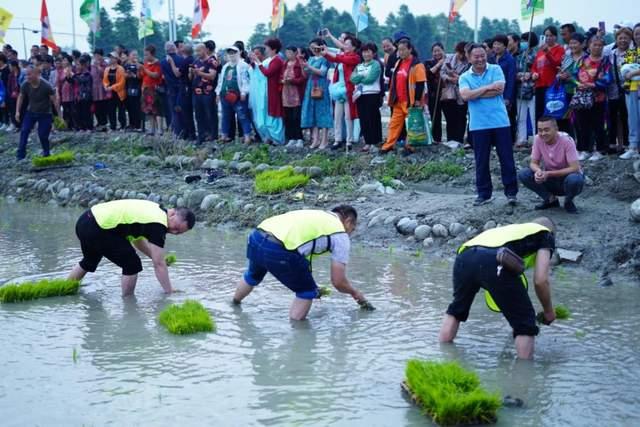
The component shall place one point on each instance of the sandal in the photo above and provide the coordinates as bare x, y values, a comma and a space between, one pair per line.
365, 148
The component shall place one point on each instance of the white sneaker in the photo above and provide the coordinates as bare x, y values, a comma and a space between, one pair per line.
300, 144
583, 155
3, 127
291, 143
630, 154
11, 128
595, 157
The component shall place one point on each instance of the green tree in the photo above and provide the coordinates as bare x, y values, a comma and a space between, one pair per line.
105, 37
126, 24
260, 33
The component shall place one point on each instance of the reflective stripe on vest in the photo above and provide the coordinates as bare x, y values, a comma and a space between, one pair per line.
498, 237
296, 228
109, 215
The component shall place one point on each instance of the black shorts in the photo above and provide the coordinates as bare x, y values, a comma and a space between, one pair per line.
97, 243
477, 268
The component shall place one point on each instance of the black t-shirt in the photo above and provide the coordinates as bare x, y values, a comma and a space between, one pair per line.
132, 83
154, 232
4, 75
532, 244
184, 71
39, 97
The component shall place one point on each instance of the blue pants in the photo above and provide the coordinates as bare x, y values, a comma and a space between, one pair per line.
173, 98
44, 121
185, 102
241, 108
206, 116
289, 267
482, 142
569, 186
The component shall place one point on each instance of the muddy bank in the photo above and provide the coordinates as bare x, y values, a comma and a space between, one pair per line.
422, 204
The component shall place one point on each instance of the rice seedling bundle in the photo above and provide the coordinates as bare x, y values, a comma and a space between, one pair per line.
187, 318
42, 289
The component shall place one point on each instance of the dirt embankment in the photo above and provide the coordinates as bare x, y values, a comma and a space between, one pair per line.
422, 204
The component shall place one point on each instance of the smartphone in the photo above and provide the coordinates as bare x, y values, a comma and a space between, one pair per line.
602, 27
543, 39
325, 32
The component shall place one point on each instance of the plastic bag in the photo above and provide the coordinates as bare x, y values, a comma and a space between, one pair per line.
418, 133
555, 101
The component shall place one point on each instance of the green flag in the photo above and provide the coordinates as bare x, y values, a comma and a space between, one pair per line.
145, 26
90, 13
528, 7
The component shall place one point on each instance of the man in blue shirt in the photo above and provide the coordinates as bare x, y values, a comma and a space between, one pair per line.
482, 86
170, 66
507, 63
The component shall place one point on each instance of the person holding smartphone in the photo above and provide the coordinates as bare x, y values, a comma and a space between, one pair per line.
545, 66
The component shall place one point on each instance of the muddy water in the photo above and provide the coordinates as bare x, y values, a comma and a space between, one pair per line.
342, 367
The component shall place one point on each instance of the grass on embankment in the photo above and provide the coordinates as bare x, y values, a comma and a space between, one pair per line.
63, 158
42, 289
450, 394
278, 181
187, 318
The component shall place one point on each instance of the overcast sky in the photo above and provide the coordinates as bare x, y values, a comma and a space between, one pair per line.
230, 20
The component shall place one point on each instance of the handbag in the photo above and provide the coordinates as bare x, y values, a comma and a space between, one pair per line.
555, 101
527, 90
316, 91
231, 96
338, 90
583, 99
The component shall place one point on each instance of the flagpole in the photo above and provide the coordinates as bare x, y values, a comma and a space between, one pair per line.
475, 30
73, 25
24, 41
95, 26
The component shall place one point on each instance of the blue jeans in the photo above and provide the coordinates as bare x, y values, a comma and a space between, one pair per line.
568, 186
241, 108
289, 267
633, 109
206, 116
44, 121
185, 102
482, 142
173, 94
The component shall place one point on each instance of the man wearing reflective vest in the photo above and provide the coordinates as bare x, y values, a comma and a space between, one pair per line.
284, 246
477, 266
113, 229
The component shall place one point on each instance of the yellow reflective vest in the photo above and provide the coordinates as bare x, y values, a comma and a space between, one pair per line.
109, 215
498, 237
296, 228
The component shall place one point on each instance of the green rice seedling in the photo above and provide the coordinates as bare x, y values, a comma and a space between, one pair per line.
41, 289
278, 181
450, 394
580, 334
325, 291
562, 312
63, 158
74, 355
170, 259
187, 318
59, 123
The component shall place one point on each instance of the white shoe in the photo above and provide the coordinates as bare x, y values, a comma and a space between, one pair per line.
291, 143
583, 155
11, 128
3, 127
595, 157
630, 154
300, 144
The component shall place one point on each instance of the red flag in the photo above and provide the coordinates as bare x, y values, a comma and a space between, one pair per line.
454, 9
200, 12
46, 38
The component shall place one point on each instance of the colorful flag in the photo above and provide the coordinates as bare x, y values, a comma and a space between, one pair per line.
5, 21
145, 26
360, 14
90, 13
454, 9
277, 15
46, 36
531, 7
200, 12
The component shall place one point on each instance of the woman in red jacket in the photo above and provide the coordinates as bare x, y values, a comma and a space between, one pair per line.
293, 84
348, 60
546, 66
